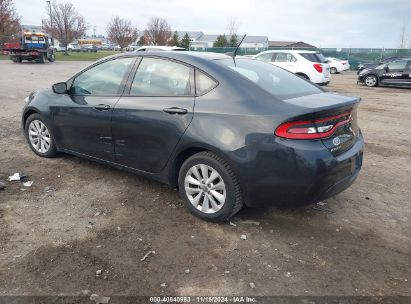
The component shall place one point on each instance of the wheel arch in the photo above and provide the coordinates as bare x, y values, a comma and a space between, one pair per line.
27, 114
303, 75
178, 161
183, 155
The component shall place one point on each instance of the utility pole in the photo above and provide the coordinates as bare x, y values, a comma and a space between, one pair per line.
51, 21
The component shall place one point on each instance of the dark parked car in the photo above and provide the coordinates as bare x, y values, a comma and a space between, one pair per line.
373, 65
224, 132
396, 73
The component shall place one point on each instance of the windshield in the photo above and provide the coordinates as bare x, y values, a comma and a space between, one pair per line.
278, 82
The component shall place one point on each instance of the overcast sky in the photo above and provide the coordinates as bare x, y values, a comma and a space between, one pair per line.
338, 23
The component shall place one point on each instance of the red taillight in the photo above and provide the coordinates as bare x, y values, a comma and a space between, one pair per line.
314, 129
318, 67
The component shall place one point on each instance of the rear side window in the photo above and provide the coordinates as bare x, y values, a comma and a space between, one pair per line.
267, 57
285, 57
314, 57
161, 77
204, 84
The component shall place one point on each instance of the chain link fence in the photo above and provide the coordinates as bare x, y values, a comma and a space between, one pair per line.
354, 55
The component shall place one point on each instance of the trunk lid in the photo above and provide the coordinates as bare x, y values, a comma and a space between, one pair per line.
334, 114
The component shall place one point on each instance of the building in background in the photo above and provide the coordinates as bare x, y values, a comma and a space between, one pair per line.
207, 41
290, 45
194, 36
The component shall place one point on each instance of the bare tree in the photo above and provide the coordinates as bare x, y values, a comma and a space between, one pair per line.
65, 23
232, 26
121, 32
158, 31
404, 35
9, 21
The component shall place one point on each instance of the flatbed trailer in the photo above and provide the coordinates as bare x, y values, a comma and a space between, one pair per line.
31, 47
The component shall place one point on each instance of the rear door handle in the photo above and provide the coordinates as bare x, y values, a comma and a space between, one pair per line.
102, 107
175, 110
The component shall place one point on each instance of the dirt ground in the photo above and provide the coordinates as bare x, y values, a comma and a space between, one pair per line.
79, 217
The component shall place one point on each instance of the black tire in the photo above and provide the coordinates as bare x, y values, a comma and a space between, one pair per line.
334, 70
52, 151
52, 58
41, 58
233, 200
371, 81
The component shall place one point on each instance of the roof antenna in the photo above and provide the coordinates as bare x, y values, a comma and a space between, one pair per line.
238, 46
233, 54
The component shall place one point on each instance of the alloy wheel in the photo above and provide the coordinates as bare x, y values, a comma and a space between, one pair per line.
39, 136
205, 188
370, 81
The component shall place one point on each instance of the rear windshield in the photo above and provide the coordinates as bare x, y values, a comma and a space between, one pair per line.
314, 57
280, 83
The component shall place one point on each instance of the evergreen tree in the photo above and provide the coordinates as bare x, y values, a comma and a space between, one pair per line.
141, 41
185, 42
175, 40
221, 41
234, 40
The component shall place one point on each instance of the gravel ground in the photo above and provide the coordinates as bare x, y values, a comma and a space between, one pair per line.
97, 218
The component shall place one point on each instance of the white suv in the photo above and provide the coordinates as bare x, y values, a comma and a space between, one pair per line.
311, 65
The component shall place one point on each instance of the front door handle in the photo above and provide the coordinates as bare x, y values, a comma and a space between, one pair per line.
102, 107
175, 110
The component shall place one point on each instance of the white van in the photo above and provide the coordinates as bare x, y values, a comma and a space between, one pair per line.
311, 65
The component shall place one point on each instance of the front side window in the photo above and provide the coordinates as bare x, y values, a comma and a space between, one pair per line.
397, 65
161, 77
103, 79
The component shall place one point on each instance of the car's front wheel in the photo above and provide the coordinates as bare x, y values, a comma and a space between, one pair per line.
39, 136
209, 187
371, 81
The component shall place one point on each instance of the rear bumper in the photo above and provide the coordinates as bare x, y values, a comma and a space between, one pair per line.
320, 78
323, 83
301, 174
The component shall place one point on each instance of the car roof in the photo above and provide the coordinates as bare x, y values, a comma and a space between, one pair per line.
176, 55
160, 47
290, 51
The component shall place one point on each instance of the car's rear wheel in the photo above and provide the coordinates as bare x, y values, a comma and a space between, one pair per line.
209, 187
52, 58
41, 59
371, 81
333, 70
39, 136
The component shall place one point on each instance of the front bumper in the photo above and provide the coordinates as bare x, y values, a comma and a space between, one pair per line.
360, 79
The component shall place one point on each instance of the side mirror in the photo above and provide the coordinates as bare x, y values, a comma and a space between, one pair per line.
59, 88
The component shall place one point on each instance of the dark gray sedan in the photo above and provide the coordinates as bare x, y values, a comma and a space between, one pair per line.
224, 131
